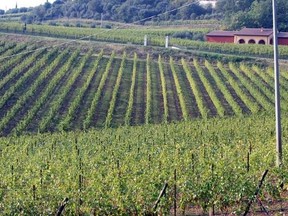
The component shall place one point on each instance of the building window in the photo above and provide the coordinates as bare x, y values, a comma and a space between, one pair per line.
241, 41
261, 42
251, 41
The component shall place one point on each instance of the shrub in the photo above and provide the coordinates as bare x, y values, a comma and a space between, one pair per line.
107, 26
66, 24
92, 25
183, 35
198, 37
52, 23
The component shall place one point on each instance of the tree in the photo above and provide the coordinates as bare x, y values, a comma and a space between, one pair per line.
191, 9
241, 19
39, 13
27, 19
95, 6
118, 10
47, 5
23, 10
282, 15
260, 15
229, 7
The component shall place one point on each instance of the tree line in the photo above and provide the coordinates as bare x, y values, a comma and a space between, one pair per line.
235, 13
252, 13
119, 10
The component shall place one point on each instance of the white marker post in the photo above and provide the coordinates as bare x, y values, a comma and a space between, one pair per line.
277, 89
145, 40
167, 42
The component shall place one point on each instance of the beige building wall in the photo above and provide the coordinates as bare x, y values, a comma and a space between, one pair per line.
257, 39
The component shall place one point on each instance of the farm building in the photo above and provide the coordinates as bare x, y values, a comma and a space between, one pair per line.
247, 36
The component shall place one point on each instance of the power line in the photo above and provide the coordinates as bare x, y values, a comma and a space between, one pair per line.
104, 31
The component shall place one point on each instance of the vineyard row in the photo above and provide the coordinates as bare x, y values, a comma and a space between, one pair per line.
40, 93
156, 37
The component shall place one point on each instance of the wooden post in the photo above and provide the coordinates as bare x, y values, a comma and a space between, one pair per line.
149, 161
118, 168
192, 162
212, 209
250, 148
34, 192
80, 177
62, 207
162, 193
248, 162
175, 192
41, 177
256, 193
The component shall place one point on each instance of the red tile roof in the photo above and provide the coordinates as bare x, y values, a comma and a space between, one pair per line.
247, 32
221, 33
283, 35
254, 32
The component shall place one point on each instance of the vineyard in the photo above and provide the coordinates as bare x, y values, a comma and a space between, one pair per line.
203, 131
134, 35
205, 163
124, 34
63, 90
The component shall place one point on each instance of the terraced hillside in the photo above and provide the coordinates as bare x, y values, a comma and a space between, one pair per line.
55, 90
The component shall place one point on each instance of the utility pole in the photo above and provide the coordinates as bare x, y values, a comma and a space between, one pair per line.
277, 89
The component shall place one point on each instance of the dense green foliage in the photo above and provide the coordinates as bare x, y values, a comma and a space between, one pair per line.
121, 171
117, 10
236, 14
252, 13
